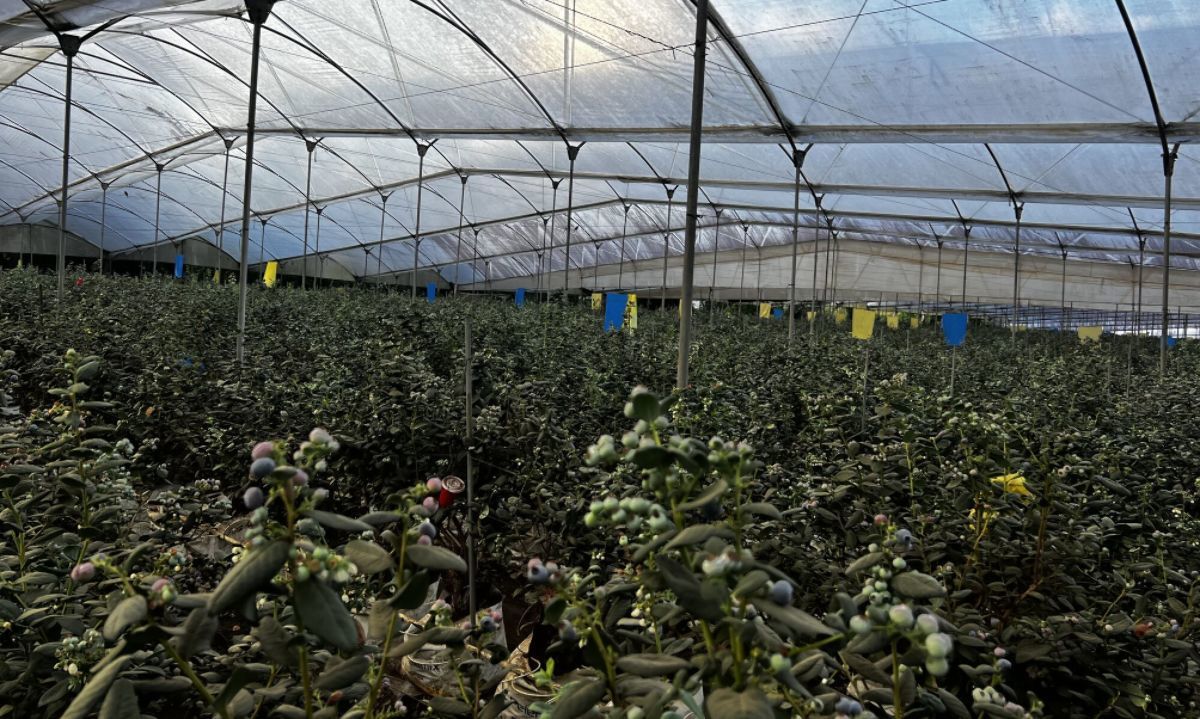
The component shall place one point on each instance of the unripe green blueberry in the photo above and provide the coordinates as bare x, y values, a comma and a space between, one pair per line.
927, 624
611, 504
590, 520
860, 624
619, 516
937, 666
938, 645
779, 664
901, 616
898, 563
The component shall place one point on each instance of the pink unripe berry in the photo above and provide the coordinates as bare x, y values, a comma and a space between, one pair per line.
262, 449
434, 484
880, 519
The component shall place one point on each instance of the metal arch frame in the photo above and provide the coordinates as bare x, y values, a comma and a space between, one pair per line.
1018, 210
1169, 156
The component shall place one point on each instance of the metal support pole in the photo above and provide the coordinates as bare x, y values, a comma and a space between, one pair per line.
384, 197
468, 383
812, 324
158, 167
745, 243
596, 267
259, 11
937, 287
475, 255
1062, 301
1168, 173
462, 198
667, 241
541, 269
69, 44
1018, 210
966, 249
572, 153
621, 262
317, 249
103, 214
797, 161
262, 241
693, 195
712, 281
224, 194
421, 150
548, 247
828, 254
310, 145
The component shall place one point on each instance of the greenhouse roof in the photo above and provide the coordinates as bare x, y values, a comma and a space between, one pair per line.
915, 119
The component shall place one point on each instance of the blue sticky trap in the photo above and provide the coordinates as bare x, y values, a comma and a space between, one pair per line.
954, 328
520, 297
1171, 341
614, 310
431, 291
777, 313
178, 266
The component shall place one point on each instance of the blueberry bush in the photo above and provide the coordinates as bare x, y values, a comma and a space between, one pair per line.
177, 539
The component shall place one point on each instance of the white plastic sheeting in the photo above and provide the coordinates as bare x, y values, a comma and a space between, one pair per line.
897, 97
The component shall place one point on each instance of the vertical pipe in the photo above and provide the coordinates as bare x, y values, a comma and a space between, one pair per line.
157, 206
745, 243
667, 241
621, 265
596, 268
259, 10
1018, 210
966, 249
549, 248
317, 249
224, 193
812, 324
693, 195
262, 242
70, 46
1062, 301
421, 150
384, 197
797, 160
712, 282
1168, 172
572, 153
1141, 264
462, 198
828, 252
937, 287
103, 213
468, 383
475, 256
310, 145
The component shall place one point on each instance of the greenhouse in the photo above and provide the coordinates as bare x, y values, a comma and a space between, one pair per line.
594, 358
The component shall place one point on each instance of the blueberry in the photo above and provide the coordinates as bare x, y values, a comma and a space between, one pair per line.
427, 530
781, 592
253, 498
434, 484
83, 572
424, 540
262, 467
300, 478
904, 536
262, 449
536, 572
1004, 665
320, 436
848, 706
487, 624
881, 519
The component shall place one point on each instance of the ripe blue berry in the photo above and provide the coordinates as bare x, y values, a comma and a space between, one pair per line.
428, 530
781, 592
253, 498
262, 467
536, 572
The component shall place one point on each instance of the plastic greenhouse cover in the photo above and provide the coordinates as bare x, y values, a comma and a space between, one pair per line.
898, 97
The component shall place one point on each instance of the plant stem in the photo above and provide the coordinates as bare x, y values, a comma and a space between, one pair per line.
186, 667
897, 702
377, 684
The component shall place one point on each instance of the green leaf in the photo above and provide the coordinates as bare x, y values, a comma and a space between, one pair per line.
650, 457
380, 519
577, 698
96, 688
249, 575
240, 677
698, 533
276, 641
196, 633
652, 665
449, 705
916, 585
762, 509
866, 668
866, 561
713, 492
800, 622
129, 611
414, 592
368, 556
751, 583
338, 521
121, 702
643, 404
438, 559
344, 673
323, 614
730, 704
700, 600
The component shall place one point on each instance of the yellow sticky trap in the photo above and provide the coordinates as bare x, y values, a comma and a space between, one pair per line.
631, 312
1090, 333
217, 277
597, 301
810, 315
893, 321
764, 310
914, 322
271, 273
840, 316
864, 323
